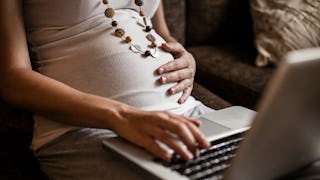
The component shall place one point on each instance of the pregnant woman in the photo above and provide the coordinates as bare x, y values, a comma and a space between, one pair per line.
94, 69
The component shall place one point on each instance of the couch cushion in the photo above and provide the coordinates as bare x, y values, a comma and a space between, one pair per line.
176, 16
229, 72
208, 98
282, 26
218, 21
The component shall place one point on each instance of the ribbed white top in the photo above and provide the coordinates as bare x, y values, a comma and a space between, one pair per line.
73, 43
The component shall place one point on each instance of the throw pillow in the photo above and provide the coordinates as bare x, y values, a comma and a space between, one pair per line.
281, 26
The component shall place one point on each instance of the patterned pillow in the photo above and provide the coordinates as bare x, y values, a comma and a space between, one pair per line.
284, 25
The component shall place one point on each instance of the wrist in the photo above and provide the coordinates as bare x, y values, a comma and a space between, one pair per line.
105, 113
119, 116
169, 38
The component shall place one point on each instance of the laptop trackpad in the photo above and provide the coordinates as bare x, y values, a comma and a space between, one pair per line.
209, 128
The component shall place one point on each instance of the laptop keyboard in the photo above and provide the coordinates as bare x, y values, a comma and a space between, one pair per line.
211, 163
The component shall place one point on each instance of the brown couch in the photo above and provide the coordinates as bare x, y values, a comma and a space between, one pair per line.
218, 33
220, 36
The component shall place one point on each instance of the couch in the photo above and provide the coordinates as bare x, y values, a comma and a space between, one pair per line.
218, 34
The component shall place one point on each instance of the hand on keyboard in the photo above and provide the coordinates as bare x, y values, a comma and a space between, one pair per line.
147, 128
211, 162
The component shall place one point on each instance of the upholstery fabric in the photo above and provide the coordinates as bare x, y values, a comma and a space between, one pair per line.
226, 70
208, 98
218, 22
281, 26
175, 13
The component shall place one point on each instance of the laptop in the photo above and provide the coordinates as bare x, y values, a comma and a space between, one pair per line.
280, 138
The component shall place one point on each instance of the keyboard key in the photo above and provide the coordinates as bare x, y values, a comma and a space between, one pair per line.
211, 163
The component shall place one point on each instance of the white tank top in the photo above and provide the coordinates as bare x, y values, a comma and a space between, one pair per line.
73, 42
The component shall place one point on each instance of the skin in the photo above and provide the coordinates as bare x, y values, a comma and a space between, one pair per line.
182, 69
25, 88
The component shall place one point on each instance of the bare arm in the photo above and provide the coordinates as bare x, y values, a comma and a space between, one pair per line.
23, 87
183, 69
30, 90
160, 25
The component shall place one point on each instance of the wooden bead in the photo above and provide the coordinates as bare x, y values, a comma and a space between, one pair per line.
151, 38
147, 53
109, 12
141, 13
128, 39
153, 44
148, 28
114, 23
105, 1
119, 32
138, 2
145, 21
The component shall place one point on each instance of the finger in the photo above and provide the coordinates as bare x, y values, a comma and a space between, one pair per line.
173, 66
173, 143
173, 47
181, 86
168, 116
186, 93
195, 122
186, 119
176, 76
152, 146
177, 125
200, 138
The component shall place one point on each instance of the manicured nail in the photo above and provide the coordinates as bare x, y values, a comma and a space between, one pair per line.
165, 46
163, 79
161, 70
190, 156
172, 90
196, 152
167, 157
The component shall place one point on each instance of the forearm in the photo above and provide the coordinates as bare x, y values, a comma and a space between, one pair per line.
160, 25
39, 94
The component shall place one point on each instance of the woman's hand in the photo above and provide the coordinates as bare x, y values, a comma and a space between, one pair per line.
181, 70
147, 128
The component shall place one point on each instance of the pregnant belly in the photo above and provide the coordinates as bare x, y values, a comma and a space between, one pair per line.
90, 58
125, 77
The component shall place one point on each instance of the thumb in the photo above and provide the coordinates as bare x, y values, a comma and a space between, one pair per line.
172, 47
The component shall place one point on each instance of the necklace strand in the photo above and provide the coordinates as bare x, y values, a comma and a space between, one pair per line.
120, 32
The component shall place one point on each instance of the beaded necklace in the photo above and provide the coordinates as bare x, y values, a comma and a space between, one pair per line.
120, 32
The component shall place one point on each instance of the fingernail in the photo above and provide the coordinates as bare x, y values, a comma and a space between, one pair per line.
172, 90
163, 79
208, 144
165, 46
167, 157
196, 152
190, 156
161, 70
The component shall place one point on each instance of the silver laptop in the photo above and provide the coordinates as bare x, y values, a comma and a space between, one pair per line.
280, 138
